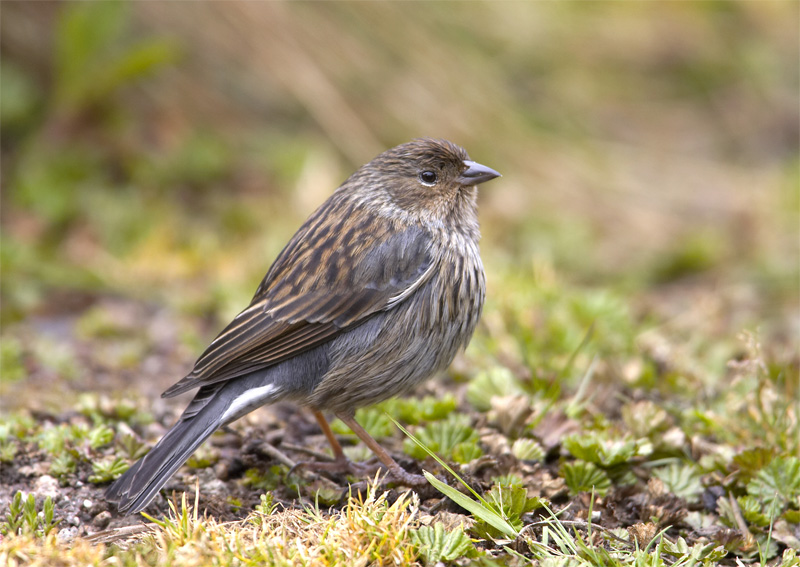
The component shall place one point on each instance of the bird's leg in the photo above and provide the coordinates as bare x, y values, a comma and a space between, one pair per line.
338, 453
342, 464
396, 472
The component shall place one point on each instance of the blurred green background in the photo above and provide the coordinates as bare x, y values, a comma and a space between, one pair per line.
165, 152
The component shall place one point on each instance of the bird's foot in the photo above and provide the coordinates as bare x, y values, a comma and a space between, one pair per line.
398, 475
392, 475
339, 466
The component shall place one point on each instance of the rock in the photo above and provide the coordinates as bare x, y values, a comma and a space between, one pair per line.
46, 486
36, 469
102, 520
66, 535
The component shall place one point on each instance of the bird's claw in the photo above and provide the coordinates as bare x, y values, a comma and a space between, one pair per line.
392, 475
338, 466
398, 475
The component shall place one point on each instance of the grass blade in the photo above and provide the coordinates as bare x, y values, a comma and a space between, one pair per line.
479, 508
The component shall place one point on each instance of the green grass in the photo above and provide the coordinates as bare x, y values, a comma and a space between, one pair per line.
643, 442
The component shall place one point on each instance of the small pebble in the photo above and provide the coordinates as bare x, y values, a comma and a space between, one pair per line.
102, 520
215, 488
37, 469
66, 535
46, 486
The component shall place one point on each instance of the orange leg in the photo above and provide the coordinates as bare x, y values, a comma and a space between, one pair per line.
338, 454
342, 464
396, 472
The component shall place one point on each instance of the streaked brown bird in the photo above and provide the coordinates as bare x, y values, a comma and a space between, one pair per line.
375, 293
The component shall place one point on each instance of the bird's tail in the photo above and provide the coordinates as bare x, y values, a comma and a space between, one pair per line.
212, 407
134, 490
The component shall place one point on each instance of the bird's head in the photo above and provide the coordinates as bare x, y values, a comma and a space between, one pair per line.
427, 177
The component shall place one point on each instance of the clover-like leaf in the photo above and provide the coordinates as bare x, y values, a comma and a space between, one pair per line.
510, 500
452, 438
752, 511
777, 483
527, 450
644, 418
416, 410
494, 382
606, 451
681, 480
750, 461
436, 545
62, 465
373, 419
581, 476
99, 436
8, 450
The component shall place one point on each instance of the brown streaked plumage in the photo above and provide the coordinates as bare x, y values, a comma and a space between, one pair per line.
377, 291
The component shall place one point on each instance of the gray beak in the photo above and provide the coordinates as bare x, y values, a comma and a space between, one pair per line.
476, 173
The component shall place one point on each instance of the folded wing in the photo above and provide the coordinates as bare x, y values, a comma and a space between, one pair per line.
323, 283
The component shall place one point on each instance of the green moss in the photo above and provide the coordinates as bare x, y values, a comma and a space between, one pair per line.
11, 360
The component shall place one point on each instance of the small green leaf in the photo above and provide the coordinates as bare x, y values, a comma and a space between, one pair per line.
264, 480
415, 410
645, 419
511, 501
373, 419
24, 517
435, 545
99, 436
466, 452
108, 470
204, 457
495, 382
778, 482
527, 450
681, 480
751, 511
725, 511
751, 461
508, 480
602, 449
8, 450
453, 437
62, 465
792, 516
585, 477
133, 448
698, 552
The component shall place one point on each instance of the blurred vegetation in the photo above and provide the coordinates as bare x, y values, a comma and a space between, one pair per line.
156, 159
148, 150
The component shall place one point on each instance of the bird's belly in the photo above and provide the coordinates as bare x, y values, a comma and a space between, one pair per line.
397, 349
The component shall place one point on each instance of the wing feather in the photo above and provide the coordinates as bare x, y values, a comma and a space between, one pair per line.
322, 284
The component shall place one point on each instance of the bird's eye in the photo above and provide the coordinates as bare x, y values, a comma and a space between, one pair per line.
428, 178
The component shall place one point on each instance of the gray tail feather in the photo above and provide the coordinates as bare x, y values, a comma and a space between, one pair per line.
134, 490
213, 405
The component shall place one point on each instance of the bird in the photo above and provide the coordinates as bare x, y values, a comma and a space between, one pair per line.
375, 293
